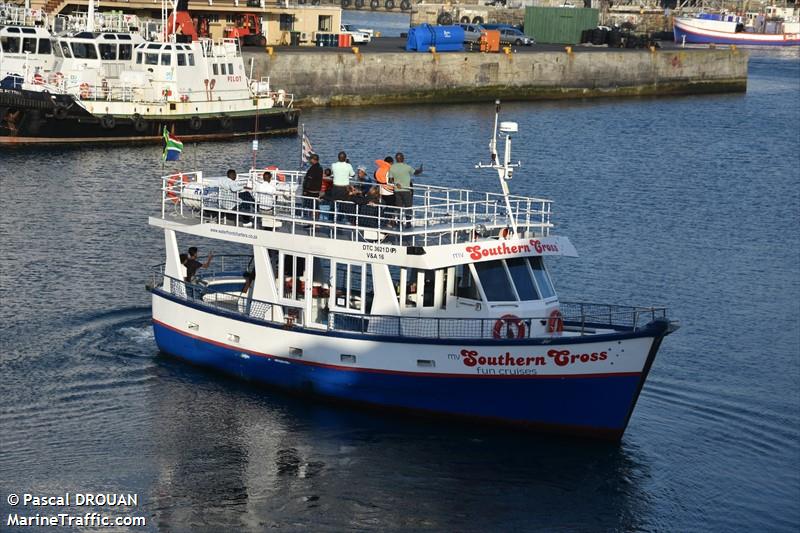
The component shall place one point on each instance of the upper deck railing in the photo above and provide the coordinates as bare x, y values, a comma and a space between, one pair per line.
578, 318
439, 215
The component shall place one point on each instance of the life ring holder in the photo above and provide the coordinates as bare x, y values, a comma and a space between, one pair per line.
171, 183
555, 322
508, 321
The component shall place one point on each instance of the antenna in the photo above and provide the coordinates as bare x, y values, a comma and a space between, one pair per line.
506, 169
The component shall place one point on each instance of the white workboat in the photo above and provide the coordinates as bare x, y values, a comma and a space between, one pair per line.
444, 308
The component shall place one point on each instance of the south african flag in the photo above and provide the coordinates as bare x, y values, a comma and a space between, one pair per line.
172, 147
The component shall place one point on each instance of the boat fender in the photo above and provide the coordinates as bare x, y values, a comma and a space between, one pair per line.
175, 183
60, 111
359, 4
373, 4
405, 5
139, 124
226, 122
477, 20
389, 4
555, 323
345, 4
511, 322
84, 90
108, 122
195, 123
444, 19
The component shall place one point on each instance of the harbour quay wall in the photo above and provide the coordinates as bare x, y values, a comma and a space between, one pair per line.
346, 78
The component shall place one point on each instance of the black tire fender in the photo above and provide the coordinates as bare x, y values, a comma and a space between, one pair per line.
60, 111
139, 124
226, 122
477, 20
444, 19
373, 4
389, 4
405, 5
108, 122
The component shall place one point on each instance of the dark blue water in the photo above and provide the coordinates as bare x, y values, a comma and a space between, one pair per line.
691, 202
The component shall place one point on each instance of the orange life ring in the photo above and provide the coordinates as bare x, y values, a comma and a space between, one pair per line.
555, 323
505, 233
38, 79
509, 321
84, 90
173, 180
278, 175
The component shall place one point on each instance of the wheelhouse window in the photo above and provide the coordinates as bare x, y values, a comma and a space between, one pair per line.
215, 69
542, 279
495, 282
44, 46
139, 58
9, 44
29, 45
224, 69
181, 60
465, 286
108, 51
191, 60
125, 52
521, 276
57, 50
84, 50
166, 59
151, 59
230, 68
65, 49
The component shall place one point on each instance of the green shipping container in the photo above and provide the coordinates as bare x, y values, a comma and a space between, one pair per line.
559, 25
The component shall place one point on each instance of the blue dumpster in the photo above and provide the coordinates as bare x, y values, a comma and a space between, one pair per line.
444, 38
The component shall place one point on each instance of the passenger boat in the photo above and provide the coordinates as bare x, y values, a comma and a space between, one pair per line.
445, 307
732, 29
115, 86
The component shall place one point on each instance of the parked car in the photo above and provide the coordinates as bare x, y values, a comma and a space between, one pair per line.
515, 37
359, 37
472, 32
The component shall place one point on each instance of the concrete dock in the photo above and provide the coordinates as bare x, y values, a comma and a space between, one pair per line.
342, 77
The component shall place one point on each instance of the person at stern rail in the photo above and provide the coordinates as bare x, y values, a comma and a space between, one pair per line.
193, 265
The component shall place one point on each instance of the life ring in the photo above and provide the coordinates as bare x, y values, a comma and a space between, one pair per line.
373, 4
389, 4
444, 19
555, 323
509, 321
139, 124
56, 78
38, 79
195, 123
174, 180
108, 122
276, 175
477, 20
405, 5
60, 111
84, 90
505, 233
226, 122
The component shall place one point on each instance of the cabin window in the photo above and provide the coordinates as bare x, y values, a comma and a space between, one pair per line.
125, 51
139, 58
230, 68
294, 271
320, 290
495, 282
154, 46
348, 286
518, 268
166, 59
215, 69
465, 286
10, 44
124, 37
325, 23
57, 50
65, 50
223, 68
181, 60
84, 51
286, 22
151, 59
108, 52
29, 45
542, 279
44, 46
191, 60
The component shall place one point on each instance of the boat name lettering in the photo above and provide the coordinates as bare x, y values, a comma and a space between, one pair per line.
477, 252
376, 251
564, 357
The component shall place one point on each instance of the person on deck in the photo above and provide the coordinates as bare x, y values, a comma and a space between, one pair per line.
342, 172
400, 173
193, 265
312, 185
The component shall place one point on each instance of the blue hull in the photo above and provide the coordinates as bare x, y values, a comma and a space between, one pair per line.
694, 38
594, 405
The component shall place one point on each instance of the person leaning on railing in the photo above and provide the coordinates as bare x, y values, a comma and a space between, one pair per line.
312, 185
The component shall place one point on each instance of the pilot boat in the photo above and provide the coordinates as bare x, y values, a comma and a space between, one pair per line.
445, 308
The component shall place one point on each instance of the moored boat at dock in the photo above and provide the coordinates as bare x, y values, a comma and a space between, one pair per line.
444, 307
733, 30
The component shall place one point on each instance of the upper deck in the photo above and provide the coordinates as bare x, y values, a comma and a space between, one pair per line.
445, 225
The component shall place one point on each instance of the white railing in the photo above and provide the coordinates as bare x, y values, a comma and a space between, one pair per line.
439, 215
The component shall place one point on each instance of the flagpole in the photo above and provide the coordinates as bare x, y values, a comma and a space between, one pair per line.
302, 136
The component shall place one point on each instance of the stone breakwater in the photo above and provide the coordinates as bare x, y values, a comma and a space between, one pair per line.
356, 79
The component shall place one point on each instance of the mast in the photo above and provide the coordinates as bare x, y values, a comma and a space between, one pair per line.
90, 17
506, 169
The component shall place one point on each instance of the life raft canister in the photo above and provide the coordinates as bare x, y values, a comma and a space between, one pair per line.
555, 323
511, 322
174, 180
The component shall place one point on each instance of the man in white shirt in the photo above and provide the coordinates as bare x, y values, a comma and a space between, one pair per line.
264, 193
342, 172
